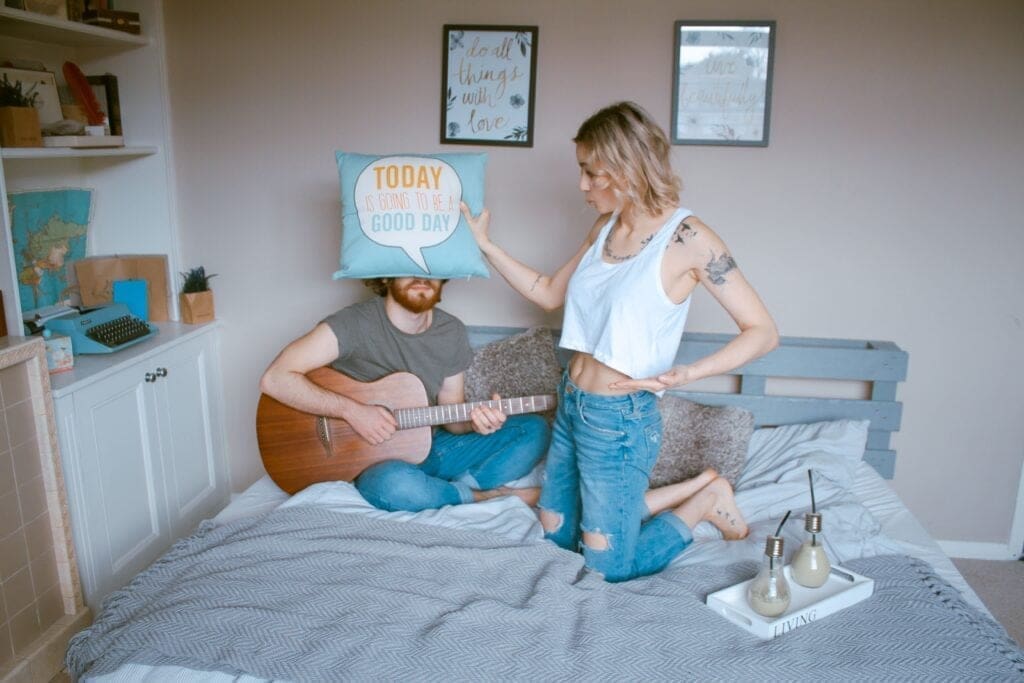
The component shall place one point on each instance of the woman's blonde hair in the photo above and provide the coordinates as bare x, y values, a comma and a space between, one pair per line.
635, 151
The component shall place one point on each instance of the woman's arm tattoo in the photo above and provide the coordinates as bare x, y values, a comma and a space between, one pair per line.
717, 268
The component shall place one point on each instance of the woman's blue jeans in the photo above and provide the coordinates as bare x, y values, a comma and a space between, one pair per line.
457, 464
598, 467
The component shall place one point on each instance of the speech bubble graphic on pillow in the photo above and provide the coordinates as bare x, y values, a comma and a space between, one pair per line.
400, 214
408, 202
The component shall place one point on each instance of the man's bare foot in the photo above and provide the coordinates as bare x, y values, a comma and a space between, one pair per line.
715, 503
530, 496
673, 495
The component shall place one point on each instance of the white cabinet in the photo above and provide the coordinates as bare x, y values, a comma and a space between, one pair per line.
142, 447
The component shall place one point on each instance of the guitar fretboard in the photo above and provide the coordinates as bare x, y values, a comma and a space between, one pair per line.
409, 418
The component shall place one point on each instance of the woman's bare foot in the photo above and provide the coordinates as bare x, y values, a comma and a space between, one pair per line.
673, 495
715, 503
530, 496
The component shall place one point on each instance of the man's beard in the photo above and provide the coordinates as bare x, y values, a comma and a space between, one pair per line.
416, 302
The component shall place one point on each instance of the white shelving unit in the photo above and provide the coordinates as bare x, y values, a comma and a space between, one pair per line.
133, 210
145, 458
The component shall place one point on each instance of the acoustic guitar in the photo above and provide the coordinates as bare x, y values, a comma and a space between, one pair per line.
299, 449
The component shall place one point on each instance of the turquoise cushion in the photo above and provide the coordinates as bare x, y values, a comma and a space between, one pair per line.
400, 215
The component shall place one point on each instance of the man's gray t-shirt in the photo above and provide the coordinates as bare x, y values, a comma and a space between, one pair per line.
370, 347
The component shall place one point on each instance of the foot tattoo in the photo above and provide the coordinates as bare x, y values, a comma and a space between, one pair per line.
724, 513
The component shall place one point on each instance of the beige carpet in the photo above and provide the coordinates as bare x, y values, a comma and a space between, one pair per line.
1000, 585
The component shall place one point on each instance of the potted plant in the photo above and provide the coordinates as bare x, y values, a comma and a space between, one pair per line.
196, 297
19, 119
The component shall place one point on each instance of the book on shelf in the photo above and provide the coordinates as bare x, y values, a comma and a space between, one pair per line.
83, 141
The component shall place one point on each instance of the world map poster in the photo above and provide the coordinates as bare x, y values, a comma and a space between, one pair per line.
49, 231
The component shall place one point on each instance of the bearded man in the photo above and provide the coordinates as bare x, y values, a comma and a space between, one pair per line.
402, 330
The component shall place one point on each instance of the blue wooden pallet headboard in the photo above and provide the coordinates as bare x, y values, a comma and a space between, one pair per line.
879, 364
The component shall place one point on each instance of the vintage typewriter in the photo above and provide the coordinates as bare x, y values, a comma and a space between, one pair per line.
104, 329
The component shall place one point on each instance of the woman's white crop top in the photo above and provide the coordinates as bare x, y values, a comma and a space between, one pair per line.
619, 313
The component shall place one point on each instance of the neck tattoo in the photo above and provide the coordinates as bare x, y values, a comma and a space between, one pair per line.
615, 257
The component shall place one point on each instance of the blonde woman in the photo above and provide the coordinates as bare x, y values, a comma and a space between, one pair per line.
626, 294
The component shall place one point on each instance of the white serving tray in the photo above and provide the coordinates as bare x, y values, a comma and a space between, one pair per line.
842, 589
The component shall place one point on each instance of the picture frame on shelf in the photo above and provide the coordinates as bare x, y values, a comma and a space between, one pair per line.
488, 84
75, 9
722, 82
45, 82
105, 87
56, 9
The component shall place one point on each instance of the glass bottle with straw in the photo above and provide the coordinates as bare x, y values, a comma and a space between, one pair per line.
810, 566
768, 593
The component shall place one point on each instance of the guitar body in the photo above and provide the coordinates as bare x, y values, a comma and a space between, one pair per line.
299, 449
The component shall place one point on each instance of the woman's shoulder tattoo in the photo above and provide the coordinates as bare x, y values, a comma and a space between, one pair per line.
684, 231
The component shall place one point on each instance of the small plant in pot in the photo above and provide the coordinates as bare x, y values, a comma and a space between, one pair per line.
19, 118
196, 297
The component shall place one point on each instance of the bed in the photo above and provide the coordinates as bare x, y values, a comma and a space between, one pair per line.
321, 586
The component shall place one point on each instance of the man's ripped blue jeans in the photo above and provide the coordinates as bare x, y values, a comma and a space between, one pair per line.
457, 464
602, 451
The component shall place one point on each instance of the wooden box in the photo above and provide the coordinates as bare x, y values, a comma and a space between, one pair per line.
197, 307
19, 127
115, 19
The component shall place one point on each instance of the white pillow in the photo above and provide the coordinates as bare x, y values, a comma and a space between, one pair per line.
833, 449
774, 479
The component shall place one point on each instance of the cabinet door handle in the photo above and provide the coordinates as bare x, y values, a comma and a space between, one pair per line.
150, 377
161, 372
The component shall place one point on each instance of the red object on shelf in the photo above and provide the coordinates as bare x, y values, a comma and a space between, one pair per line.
83, 94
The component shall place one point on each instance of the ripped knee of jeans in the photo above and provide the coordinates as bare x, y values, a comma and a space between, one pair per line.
595, 540
550, 520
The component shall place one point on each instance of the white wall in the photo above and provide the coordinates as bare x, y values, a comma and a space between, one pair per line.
888, 204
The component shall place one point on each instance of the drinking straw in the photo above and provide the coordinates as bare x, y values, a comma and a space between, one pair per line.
782, 523
771, 560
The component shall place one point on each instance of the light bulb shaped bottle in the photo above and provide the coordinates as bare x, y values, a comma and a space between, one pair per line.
810, 566
768, 593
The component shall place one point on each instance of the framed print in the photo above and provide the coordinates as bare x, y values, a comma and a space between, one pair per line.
105, 89
45, 85
722, 82
488, 82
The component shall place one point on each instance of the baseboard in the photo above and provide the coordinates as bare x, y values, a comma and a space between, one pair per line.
970, 550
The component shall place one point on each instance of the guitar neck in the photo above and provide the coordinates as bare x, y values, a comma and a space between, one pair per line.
409, 418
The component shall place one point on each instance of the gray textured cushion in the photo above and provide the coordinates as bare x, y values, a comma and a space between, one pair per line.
521, 365
697, 437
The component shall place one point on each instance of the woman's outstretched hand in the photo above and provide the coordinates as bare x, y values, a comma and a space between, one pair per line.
677, 376
478, 225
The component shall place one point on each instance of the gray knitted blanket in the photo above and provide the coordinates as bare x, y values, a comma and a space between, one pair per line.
314, 595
